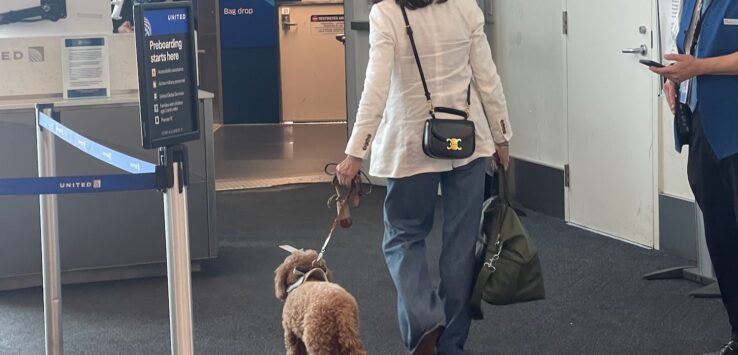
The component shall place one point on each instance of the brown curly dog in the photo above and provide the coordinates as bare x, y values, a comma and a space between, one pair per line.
319, 317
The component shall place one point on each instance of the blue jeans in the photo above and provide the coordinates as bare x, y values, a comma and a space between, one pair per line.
408, 219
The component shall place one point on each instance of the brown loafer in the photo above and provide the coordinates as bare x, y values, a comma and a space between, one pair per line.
429, 341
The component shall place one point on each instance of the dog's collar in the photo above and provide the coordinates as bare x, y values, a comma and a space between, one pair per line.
318, 274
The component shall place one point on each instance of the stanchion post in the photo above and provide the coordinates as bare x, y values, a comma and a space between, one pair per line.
51, 265
174, 159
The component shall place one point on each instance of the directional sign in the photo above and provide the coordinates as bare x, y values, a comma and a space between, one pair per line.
166, 73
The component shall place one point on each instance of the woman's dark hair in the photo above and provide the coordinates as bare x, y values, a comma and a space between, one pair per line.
414, 4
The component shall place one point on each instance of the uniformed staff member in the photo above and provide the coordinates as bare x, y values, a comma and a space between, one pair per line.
706, 71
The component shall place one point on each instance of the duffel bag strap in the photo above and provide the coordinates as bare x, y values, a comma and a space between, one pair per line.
488, 267
504, 191
476, 299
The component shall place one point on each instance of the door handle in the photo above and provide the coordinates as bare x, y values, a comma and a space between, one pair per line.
341, 38
642, 50
287, 20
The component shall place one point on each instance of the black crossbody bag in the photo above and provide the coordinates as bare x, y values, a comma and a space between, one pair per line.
444, 138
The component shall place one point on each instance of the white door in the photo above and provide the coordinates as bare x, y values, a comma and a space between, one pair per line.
611, 118
312, 62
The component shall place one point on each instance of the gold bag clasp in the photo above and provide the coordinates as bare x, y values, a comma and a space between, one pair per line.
453, 144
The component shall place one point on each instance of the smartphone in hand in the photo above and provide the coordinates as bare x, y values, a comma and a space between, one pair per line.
651, 63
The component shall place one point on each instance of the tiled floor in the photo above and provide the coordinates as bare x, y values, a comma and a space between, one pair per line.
255, 156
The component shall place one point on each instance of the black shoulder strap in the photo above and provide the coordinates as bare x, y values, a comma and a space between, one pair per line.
468, 97
417, 59
433, 110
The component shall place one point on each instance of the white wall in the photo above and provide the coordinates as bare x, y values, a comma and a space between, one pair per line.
529, 50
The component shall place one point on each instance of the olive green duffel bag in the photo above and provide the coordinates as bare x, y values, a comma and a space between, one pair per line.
509, 268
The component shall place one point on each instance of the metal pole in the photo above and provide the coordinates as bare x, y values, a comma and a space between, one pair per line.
178, 265
50, 243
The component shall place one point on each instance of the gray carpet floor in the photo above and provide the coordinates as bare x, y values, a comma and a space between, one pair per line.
597, 302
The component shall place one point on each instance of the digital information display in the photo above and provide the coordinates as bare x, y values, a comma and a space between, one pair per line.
166, 73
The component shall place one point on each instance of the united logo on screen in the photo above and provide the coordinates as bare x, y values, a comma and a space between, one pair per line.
147, 27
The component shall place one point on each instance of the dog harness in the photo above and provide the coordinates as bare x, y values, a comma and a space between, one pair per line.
316, 273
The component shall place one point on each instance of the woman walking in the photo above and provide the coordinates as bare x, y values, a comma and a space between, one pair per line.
454, 52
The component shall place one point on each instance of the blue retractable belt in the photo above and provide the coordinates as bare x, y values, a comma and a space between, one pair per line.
96, 150
78, 184
144, 175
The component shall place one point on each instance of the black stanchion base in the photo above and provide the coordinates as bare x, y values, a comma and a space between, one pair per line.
690, 273
710, 291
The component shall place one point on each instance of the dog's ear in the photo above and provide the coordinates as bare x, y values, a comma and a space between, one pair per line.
288, 248
280, 281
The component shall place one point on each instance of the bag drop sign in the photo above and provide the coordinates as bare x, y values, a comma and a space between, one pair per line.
326, 24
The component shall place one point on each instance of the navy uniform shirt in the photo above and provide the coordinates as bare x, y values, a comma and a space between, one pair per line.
716, 95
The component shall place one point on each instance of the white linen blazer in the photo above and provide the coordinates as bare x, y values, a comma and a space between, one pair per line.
454, 52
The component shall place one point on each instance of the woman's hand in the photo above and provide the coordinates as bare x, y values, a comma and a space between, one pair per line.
670, 91
685, 67
348, 169
126, 27
503, 154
